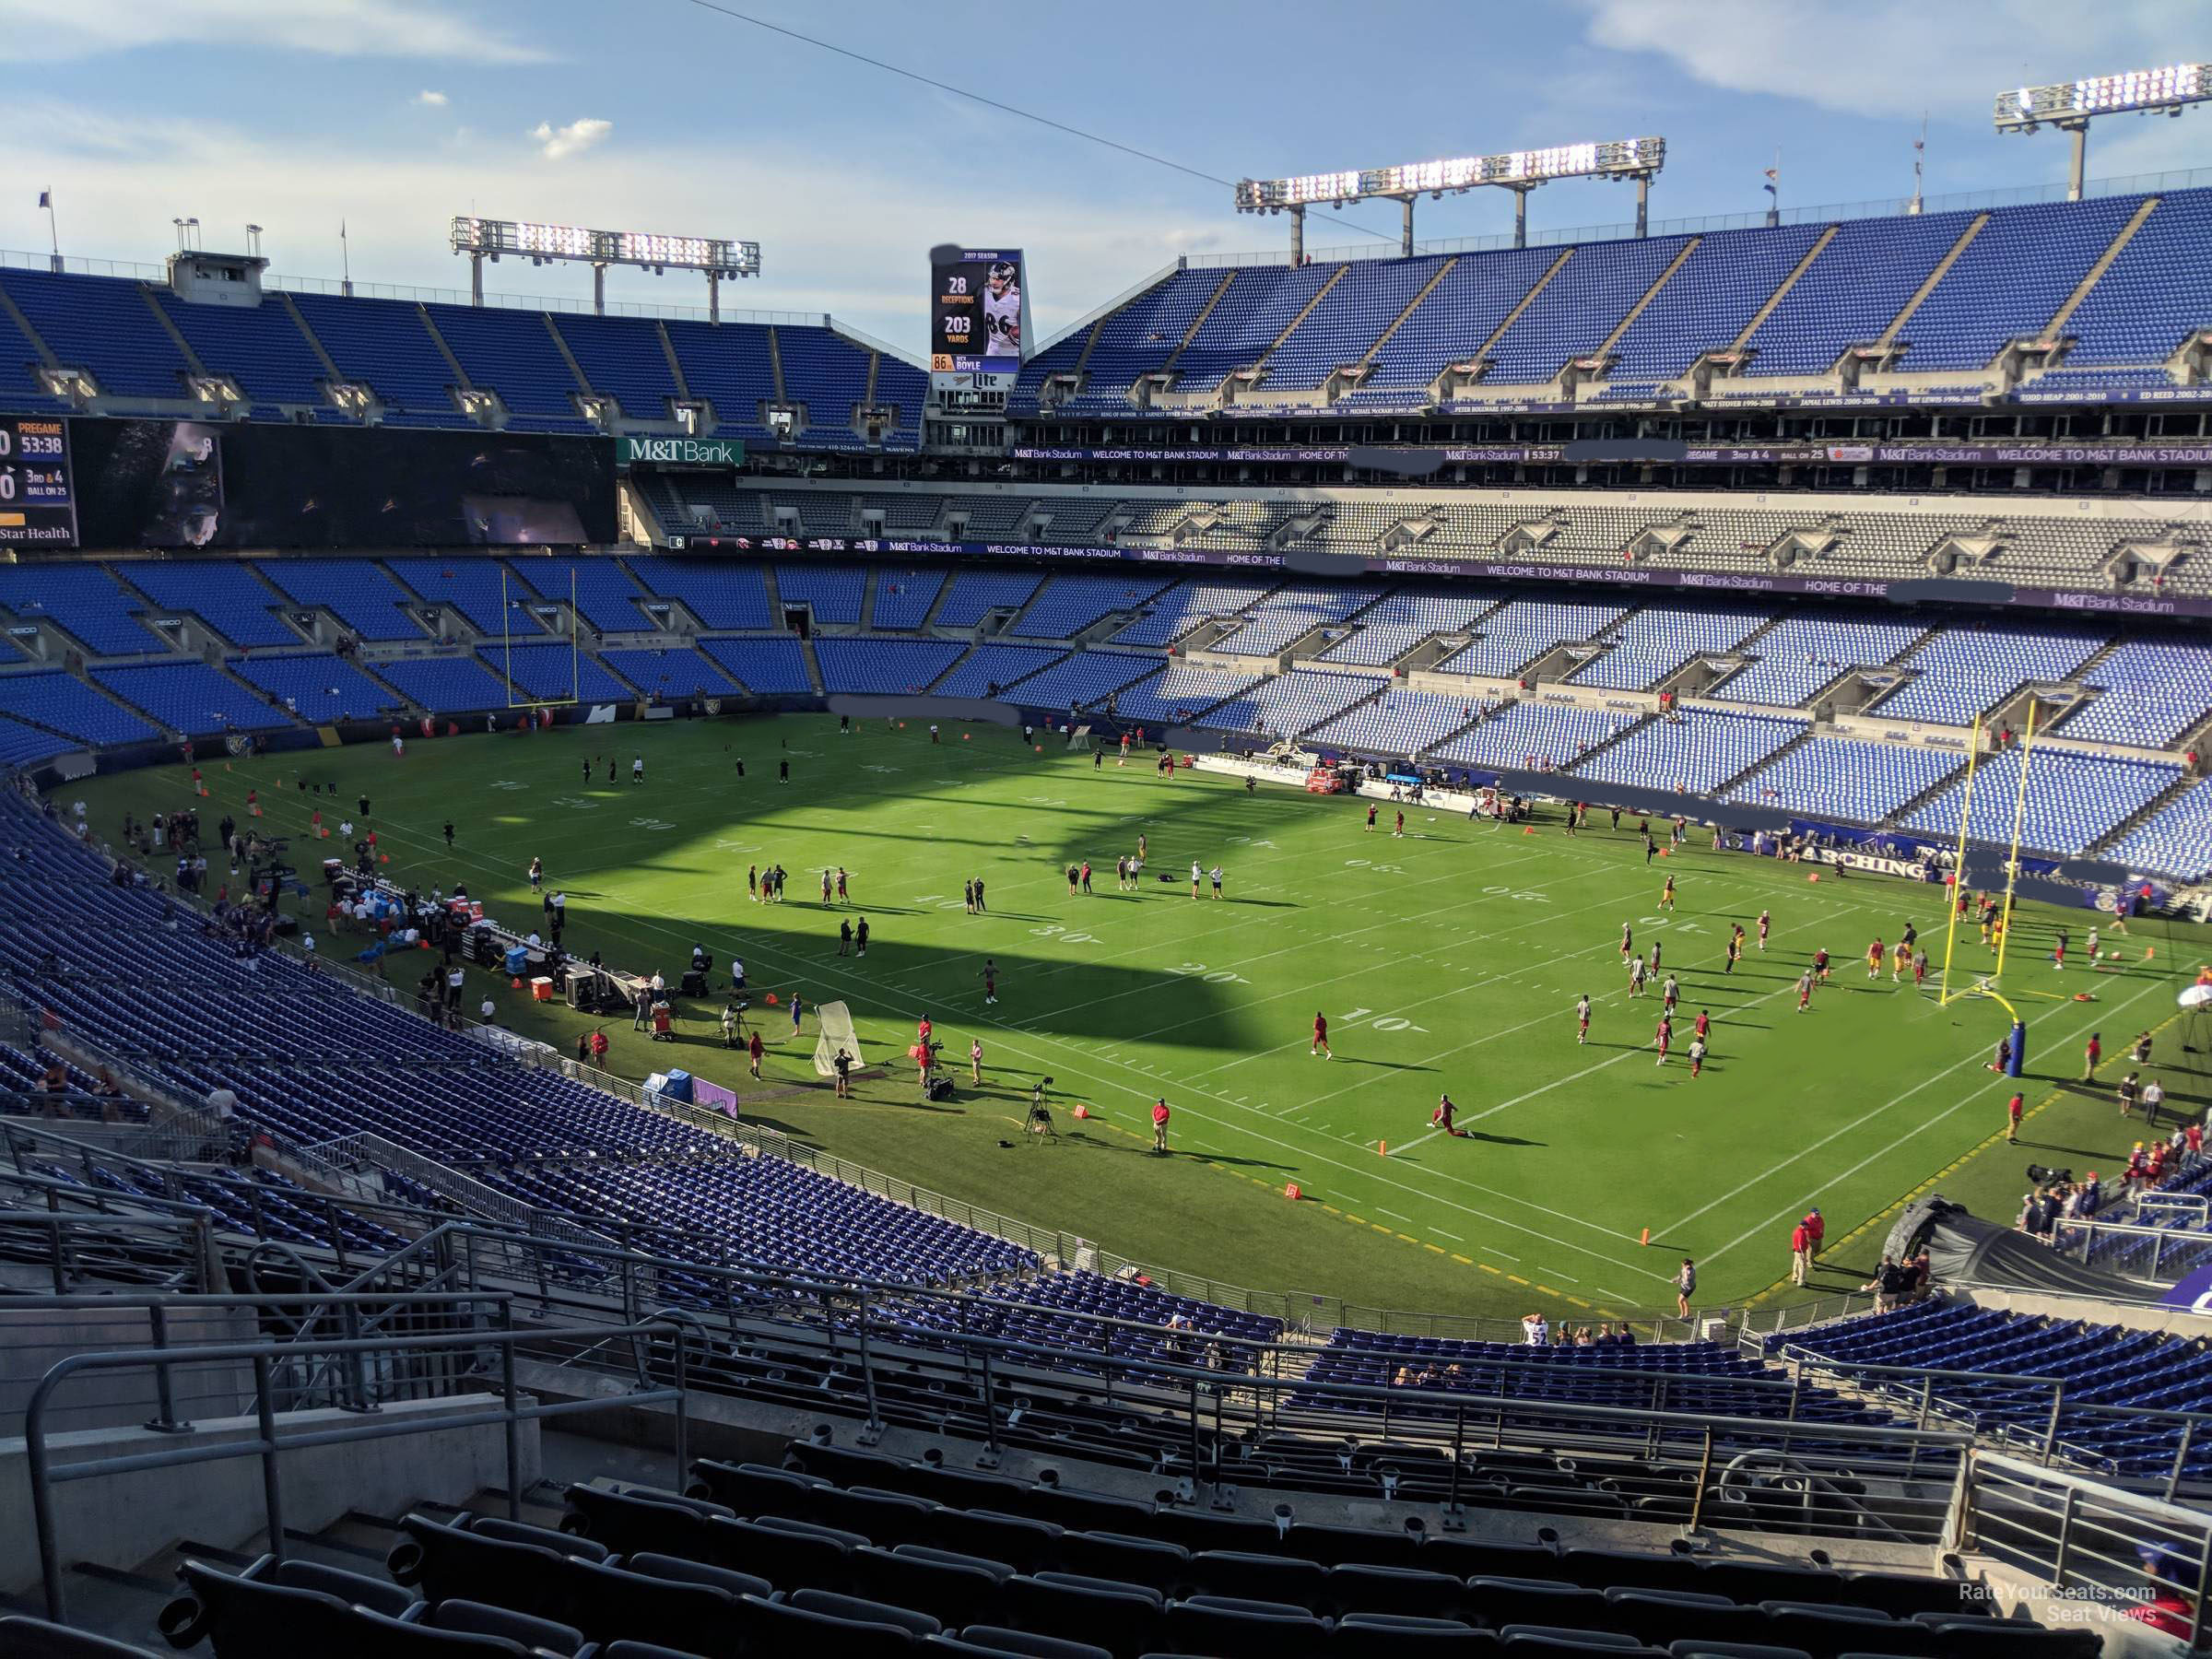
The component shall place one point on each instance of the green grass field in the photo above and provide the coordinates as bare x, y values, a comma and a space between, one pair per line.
1448, 961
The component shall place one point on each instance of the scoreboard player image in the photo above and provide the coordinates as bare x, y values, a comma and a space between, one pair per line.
1002, 311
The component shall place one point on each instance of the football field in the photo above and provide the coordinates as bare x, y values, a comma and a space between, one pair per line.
1446, 961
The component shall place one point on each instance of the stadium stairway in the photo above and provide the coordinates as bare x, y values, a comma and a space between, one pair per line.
2148, 810
1925, 795
1720, 791
867, 598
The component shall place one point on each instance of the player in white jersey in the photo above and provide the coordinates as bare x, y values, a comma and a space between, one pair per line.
1002, 311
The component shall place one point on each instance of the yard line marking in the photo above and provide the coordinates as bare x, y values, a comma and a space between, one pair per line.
1407, 1219
1919, 1128
1441, 1233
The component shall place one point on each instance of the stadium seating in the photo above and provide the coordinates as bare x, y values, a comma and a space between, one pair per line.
474, 588
2174, 840
2010, 281
2076, 801
1390, 628
1397, 724
1695, 752
728, 365
2146, 694
829, 375
442, 685
1654, 643
192, 698
766, 667
1168, 616
318, 686
1801, 654
1578, 307
2099, 1365
70, 707
383, 343
974, 595
1536, 737
669, 675
83, 601
2156, 282
1260, 302
259, 346
721, 596
512, 353
1853, 291
1709, 300
1178, 694
22, 745
993, 666
355, 591
104, 324
1519, 632
557, 672
1068, 605
883, 666
1135, 340
832, 591
1848, 780
1081, 679
1369, 297
1283, 705
1963, 672
622, 358
603, 590
903, 598
228, 597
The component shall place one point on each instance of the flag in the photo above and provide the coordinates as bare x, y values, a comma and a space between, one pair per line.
1773, 182
46, 199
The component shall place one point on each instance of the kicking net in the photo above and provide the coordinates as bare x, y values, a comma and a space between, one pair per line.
836, 1022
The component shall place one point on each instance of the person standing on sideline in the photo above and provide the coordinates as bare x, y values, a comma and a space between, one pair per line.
843, 1064
976, 1060
1686, 1282
1799, 1250
2090, 1054
1213, 875
1195, 873
752, 1054
1371, 818
2154, 1097
1765, 921
1321, 1036
1160, 1127
537, 868
2013, 1109
1816, 1230
729, 1025
798, 1006
860, 938
844, 935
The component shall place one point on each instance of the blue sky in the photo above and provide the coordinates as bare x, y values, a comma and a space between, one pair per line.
659, 115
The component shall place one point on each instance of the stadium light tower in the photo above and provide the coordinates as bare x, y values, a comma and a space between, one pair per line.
2070, 106
1517, 171
483, 239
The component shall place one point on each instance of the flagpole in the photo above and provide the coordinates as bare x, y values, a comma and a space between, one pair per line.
53, 234
345, 263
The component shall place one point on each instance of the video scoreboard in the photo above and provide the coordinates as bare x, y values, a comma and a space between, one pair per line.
38, 503
979, 317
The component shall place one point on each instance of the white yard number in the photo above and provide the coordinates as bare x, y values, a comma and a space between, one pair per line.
1379, 1022
1218, 976
1246, 841
1502, 892
1380, 870
508, 784
573, 804
1051, 929
650, 823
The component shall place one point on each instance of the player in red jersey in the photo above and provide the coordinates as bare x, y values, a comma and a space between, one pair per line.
1321, 1037
1581, 1020
1399, 833
1765, 921
1627, 942
1441, 1117
1704, 1022
1371, 818
1874, 952
1664, 1035
1820, 965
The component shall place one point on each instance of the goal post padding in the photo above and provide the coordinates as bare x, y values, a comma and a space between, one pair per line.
836, 1024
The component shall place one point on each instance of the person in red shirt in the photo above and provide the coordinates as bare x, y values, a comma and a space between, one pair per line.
2090, 1054
923, 1028
599, 1047
1704, 1022
1800, 1251
752, 1054
1160, 1127
2012, 1118
1399, 833
1321, 1036
1820, 965
1665, 1035
1765, 921
1371, 818
1873, 960
2194, 1135
1627, 942
1441, 1117
1816, 1230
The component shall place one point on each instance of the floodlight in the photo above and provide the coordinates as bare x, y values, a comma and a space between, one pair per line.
714, 257
1518, 171
2070, 106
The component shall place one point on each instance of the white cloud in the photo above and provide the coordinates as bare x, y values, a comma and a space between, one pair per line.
36, 31
436, 100
556, 143
1948, 59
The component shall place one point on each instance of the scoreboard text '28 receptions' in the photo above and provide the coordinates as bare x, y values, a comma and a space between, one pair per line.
979, 317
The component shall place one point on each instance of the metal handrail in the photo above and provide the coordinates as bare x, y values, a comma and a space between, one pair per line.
269, 1445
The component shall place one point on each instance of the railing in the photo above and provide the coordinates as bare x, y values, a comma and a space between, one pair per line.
271, 1441
1883, 207
80, 1248
2099, 1550
2141, 1250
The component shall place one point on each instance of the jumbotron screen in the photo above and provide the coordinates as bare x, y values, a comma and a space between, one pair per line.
978, 317
204, 484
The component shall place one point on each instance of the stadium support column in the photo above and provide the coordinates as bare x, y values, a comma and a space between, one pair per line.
1405, 232
475, 278
2079, 132
1520, 213
1297, 235
713, 296
1643, 204
598, 287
